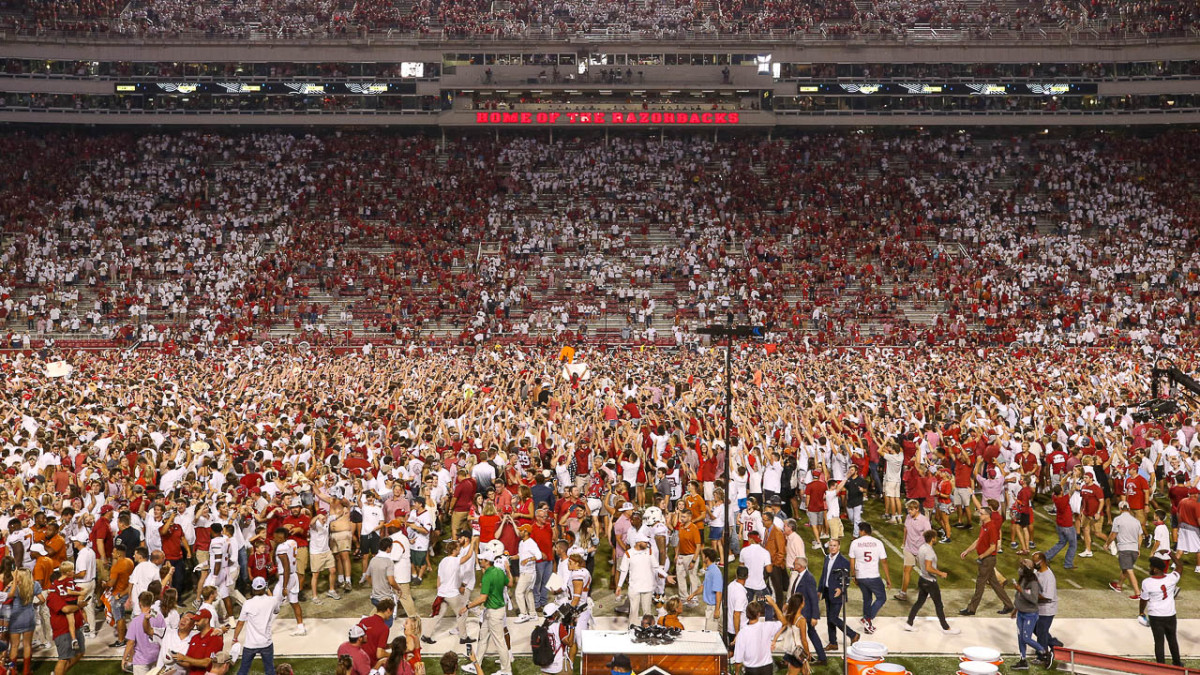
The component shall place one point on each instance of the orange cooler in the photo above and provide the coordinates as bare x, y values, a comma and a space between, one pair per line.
864, 656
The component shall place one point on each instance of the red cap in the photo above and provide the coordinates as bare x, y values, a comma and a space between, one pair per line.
204, 614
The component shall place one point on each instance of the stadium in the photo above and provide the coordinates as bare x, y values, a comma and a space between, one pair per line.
630, 337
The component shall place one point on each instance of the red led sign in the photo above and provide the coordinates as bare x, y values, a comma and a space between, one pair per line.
608, 118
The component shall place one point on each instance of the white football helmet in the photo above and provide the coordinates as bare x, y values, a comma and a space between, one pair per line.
652, 516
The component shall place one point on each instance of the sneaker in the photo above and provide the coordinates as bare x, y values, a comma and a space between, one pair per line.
869, 629
112, 645
332, 594
733, 557
317, 600
900, 596
1012, 544
427, 640
299, 630
966, 612
1143, 620
1006, 611
909, 627
522, 618
1115, 586
1088, 554
1197, 569
1135, 596
454, 631
692, 603
944, 540
952, 631
1068, 567
1021, 665
465, 641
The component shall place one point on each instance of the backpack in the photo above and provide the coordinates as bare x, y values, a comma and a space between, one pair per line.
540, 645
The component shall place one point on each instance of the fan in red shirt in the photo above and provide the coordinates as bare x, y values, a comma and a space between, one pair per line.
1092, 495
814, 492
203, 645
1137, 492
1023, 515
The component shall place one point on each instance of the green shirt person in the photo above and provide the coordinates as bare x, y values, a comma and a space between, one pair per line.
491, 629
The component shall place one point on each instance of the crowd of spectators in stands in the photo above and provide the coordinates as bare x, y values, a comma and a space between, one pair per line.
202, 238
457, 18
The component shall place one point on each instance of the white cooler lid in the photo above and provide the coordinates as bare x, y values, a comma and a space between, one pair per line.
982, 654
978, 668
890, 668
869, 650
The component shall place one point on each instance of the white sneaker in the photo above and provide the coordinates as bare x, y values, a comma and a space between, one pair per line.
910, 627
952, 631
332, 594
523, 618
454, 631
1197, 569
299, 630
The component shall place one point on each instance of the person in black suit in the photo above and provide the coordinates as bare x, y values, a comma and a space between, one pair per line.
805, 585
836, 567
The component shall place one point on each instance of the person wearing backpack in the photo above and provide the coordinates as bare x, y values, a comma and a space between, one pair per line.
548, 643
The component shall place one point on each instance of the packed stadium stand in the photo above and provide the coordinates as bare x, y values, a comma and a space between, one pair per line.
618, 172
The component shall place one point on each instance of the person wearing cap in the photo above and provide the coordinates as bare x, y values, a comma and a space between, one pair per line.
256, 617
361, 662
222, 662
85, 577
528, 556
559, 636
642, 570
1127, 533
619, 665
141, 649
43, 572
491, 588
203, 644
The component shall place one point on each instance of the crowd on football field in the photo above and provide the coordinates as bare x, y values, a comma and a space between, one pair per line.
164, 486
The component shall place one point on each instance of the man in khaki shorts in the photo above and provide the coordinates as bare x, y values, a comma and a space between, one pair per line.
320, 556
